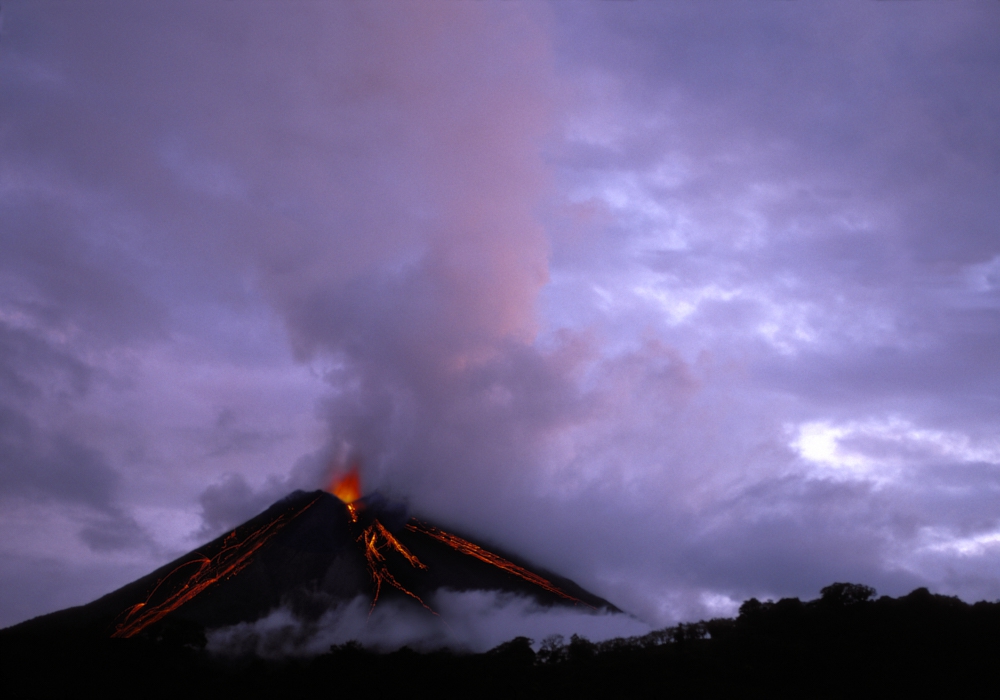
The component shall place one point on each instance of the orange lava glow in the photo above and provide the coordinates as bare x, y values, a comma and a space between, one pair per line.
347, 487
200, 574
474, 550
375, 540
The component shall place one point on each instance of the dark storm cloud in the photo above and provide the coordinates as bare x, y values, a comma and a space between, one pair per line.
49, 464
229, 503
33, 583
36, 460
116, 531
34, 367
57, 271
230, 436
52, 465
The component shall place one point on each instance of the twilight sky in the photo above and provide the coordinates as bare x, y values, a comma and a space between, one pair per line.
689, 302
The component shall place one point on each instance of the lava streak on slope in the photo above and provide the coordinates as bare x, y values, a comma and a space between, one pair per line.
376, 538
344, 546
195, 576
474, 550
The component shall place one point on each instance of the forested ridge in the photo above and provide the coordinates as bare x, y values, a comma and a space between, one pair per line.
845, 643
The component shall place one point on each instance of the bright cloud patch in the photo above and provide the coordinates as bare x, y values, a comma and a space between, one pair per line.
880, 450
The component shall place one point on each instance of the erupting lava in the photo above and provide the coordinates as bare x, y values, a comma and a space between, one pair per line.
375, 538
384, 555
474, 550
234, 556
348, 489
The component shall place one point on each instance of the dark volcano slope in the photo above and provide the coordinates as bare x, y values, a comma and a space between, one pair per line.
452, 569
309, 535
307, 551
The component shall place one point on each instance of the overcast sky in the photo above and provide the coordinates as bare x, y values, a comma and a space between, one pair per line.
689, 302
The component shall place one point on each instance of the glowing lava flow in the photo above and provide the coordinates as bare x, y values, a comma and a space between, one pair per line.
474, 550
234, 556
375, 538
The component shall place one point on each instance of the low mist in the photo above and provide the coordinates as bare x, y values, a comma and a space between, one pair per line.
469, 621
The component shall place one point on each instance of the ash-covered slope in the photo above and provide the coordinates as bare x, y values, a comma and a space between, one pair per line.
309, 551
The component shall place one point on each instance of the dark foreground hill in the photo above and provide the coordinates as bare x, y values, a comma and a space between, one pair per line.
843, 645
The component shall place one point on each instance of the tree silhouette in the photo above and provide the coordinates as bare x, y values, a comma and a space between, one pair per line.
844, 594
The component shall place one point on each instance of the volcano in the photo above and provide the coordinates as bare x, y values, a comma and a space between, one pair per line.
310, 552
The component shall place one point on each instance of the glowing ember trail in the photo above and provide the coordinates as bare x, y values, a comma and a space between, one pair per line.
473, 550
234, 556
376, 538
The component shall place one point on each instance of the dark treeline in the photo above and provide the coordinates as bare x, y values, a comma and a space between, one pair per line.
846, 643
